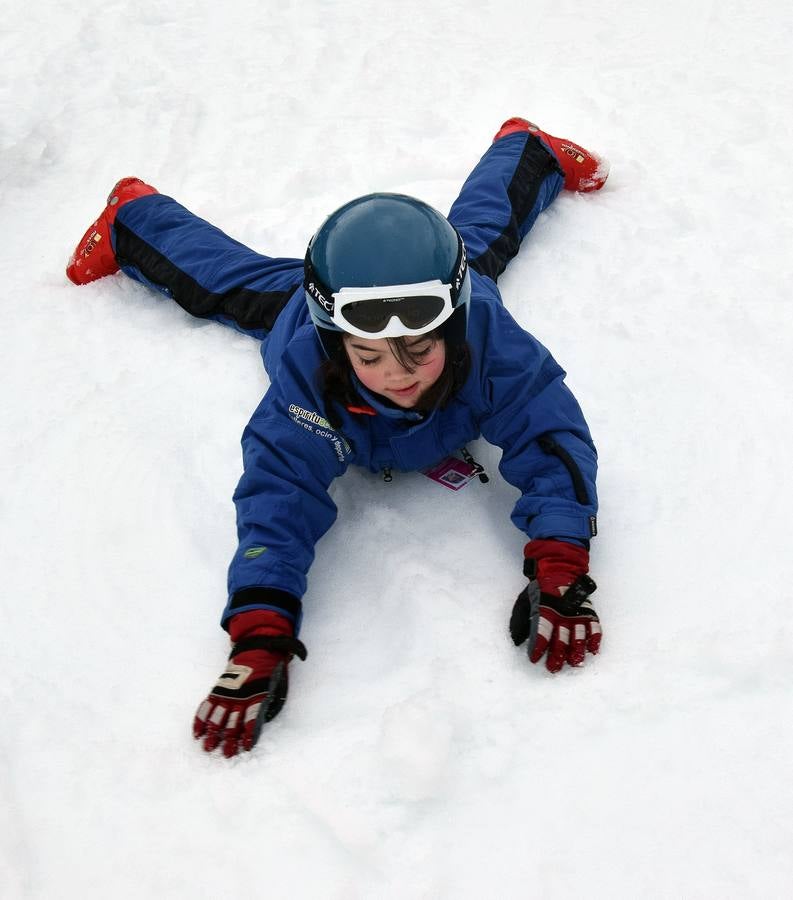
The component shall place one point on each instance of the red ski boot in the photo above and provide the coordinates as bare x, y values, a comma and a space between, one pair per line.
93, 257
583, 171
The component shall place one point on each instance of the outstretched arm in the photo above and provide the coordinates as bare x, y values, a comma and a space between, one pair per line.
549, 456
291, 455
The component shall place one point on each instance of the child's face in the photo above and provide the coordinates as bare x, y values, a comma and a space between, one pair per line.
379, 370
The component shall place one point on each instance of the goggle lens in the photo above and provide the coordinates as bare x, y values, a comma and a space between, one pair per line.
374, 315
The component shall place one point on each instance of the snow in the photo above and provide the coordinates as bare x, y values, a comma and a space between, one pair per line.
420, 755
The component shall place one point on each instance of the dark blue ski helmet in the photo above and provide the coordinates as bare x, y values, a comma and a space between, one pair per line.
387, 241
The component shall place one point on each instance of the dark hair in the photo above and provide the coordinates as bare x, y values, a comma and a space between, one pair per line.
338, 388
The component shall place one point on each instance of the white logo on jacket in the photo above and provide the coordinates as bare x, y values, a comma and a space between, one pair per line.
316, 424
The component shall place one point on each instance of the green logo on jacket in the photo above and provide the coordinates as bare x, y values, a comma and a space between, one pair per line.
253, 552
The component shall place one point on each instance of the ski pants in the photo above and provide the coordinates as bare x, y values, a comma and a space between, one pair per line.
163, 245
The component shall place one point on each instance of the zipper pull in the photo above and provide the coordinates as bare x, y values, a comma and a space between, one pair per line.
478, 470
387, 476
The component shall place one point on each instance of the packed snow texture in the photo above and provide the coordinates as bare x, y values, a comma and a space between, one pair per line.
420, 755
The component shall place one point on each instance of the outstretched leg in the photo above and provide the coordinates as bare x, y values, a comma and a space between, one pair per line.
519, 176
158, 242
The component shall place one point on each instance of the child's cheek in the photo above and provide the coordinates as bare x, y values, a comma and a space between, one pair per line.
369, 379
433, 369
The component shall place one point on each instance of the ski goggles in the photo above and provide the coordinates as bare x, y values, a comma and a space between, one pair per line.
389, 311
392, 310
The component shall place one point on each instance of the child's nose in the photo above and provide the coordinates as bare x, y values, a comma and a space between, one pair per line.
395, 369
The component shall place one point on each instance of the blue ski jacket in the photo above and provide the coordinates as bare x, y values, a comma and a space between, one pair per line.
514, 395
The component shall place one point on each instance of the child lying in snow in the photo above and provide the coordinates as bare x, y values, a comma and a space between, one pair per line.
388, 347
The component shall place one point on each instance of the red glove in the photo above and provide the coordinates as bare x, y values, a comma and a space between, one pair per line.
553, 612
253, 688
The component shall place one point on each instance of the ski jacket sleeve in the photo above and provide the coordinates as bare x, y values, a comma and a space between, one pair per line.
291, 454
548, 452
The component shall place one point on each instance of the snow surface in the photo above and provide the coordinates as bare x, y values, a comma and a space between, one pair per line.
420, 754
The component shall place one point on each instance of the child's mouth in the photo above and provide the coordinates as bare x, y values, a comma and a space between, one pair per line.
406, 392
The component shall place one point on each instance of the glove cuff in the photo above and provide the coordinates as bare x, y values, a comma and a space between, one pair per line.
555, 564
259, 622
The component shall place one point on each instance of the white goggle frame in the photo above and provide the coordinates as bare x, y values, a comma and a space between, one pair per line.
392, 293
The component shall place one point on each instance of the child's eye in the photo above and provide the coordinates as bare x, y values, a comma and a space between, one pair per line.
368, 362
418, 355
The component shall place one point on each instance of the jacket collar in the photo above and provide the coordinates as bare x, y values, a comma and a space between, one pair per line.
383, 409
